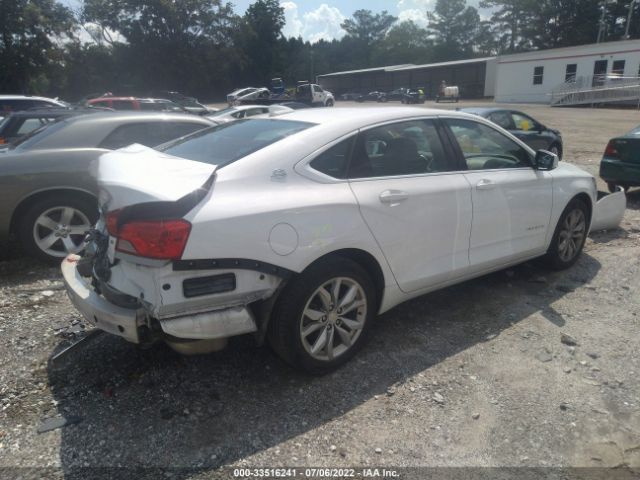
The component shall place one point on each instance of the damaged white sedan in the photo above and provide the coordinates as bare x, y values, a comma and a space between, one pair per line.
302, 228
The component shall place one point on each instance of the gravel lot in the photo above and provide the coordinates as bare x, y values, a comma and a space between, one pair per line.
475, 375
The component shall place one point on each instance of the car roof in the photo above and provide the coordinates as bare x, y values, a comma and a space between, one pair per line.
27, 97
133, 115
44, 112
360, 117
483, 110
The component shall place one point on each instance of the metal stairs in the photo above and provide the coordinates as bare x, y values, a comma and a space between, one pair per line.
597, 89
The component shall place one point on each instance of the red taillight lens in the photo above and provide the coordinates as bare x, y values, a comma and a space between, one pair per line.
2, 141
160, 239
112, 222
611, 151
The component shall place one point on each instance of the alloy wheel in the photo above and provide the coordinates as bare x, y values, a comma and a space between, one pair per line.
60, 231
572, 235
333, 318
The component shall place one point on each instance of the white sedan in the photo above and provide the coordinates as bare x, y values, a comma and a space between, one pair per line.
231, 114
303, 227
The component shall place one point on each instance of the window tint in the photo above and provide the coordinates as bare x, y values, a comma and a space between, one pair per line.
524, 123
255, 111
502, 119
334, 161
485, 148
403, 148
226, 143
31, 124
122, 104
538, 75
148, 133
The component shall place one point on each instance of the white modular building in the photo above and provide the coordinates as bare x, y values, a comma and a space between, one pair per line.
557, 74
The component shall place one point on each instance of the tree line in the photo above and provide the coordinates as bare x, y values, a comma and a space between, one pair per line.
204, 48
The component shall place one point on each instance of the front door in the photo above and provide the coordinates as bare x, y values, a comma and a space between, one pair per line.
599, 72
511, 201
529, 131
414, 200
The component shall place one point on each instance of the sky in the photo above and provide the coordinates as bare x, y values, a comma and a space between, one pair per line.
320, 19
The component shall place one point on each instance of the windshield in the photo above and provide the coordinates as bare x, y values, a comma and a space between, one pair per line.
224, 144
36, 136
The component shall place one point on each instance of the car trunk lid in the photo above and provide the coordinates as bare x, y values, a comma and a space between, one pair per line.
140, 175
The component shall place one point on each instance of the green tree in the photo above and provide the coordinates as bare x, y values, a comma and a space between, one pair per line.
454, 26
405, 42
367, 26
511, 18
259, 34
29, 32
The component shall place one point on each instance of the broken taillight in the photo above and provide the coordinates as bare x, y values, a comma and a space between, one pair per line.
611, 150
163, 239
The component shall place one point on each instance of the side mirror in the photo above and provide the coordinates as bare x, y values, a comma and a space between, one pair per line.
545, 160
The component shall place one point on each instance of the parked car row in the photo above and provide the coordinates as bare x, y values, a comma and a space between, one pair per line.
309, 94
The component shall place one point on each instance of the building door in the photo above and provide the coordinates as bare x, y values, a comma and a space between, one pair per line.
599, 72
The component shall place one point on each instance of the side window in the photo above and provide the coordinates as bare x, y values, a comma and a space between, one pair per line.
317, 89
334, 161
122, 104
126, 135
254, 111
31, 124
523, 123
102, 103
502, 119
538, 75
403, 148
239, 114
484, 148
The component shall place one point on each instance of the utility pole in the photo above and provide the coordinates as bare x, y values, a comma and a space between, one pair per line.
602, 29
631, 5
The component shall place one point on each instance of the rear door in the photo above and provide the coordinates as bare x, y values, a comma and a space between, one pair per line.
414, 199
511, 201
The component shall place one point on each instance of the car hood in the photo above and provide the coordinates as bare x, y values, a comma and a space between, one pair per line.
138, 174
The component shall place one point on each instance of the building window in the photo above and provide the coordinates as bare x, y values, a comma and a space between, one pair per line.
617, 70
570, 73
538, 73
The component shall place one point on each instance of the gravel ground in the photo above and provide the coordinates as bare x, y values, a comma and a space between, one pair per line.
476, 375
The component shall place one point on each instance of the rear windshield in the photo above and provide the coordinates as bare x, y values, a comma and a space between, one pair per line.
226, 143
36, 136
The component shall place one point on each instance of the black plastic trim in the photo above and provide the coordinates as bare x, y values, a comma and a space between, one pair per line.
199, 286
231, 264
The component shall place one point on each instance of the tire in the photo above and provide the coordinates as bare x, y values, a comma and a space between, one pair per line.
63, 218
329, 103
562, 255
611, 187
285, 332
557, 149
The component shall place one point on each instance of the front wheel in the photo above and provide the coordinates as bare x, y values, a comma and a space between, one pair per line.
329, 103
569, 236
322, 318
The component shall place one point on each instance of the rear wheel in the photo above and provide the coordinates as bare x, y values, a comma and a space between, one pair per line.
322, 318
55, 226
569, 236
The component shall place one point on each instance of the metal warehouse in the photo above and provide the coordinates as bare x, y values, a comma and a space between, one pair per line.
475, 77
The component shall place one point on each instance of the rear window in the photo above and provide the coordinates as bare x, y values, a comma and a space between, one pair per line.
224, 144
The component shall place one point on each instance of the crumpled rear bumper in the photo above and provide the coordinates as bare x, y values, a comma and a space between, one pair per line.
609, 210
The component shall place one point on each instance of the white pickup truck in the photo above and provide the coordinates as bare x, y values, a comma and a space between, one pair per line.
314, 94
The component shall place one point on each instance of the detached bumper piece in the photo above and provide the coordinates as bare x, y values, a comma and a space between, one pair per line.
609, 210
123, 322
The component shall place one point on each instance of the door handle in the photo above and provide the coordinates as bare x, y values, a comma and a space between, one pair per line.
485, 184
393, 197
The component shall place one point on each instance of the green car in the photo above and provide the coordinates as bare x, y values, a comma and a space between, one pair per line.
620, 164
